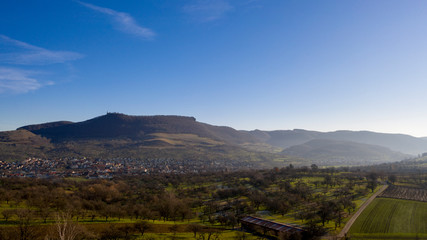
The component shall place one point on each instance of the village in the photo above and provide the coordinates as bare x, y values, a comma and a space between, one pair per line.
108, 168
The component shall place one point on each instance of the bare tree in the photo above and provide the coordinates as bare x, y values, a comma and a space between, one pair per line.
195, 228
209, 234
65, 228
142, 227
44, 213
126, 230
25, 217
8, 213
174, 228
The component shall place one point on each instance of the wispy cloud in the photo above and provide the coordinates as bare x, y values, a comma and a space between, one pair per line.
17, 53
123, 21
14, 80
208, 10
22, 53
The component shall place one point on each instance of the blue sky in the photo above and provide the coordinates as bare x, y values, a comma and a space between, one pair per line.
248, 64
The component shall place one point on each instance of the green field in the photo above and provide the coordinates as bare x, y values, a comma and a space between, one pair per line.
392, 218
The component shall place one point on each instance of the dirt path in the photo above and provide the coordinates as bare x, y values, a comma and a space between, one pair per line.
356, 215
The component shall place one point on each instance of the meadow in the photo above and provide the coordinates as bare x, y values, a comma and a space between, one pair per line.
391, 218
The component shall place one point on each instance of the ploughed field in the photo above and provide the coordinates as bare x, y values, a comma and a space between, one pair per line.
392, 218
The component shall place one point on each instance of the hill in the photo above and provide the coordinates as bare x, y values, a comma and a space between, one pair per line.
116, 135
116, 125
285, 138
21, 144
36, 127
333, 152
396, 142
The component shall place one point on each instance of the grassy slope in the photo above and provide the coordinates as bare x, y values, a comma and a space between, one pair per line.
392, 217
20, 144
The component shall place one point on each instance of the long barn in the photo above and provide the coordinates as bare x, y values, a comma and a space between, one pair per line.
268, 227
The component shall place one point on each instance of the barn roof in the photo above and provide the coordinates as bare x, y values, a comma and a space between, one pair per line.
281, 227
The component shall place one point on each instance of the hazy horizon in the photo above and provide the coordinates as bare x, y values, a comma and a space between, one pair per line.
247, 64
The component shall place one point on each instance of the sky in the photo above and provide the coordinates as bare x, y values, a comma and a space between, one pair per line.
248, 64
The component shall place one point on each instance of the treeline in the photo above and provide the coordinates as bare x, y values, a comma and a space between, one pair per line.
314, 196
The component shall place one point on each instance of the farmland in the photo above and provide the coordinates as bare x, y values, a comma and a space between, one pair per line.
416, 194
391, 218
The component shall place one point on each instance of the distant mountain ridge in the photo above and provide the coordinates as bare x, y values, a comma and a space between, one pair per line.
181, 137
396, 142
335, 152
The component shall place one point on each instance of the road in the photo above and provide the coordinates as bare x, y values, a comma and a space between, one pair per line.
356, 215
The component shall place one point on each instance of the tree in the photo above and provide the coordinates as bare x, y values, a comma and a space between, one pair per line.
183, 210
8, 213
278, 205
8, 196
66, 229
231, 220
314, 167
209, 210
328, 180
209, 234
25, 217
256, 198
392, 178
126, 231
44, 213
373, 176
325, 211
351, 207
372, 185
108, 211
174, 228
338, 213
111, 233
195, 228
313, 231
168, 206
142, 227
